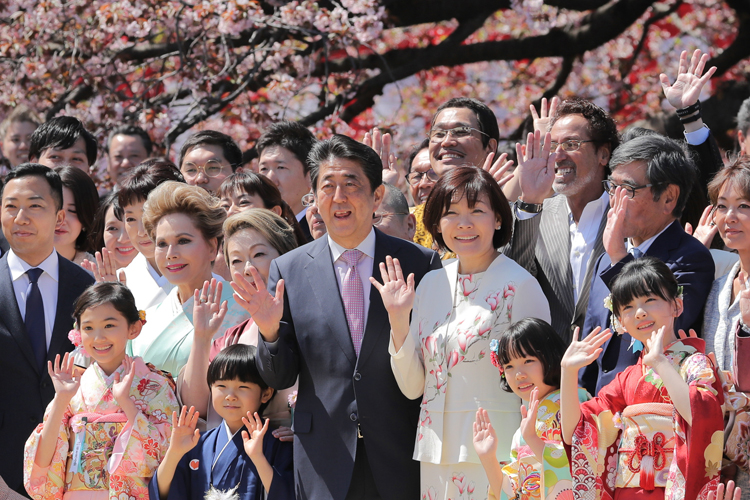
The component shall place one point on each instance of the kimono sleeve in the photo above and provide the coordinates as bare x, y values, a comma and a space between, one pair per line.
281, 459
46, 483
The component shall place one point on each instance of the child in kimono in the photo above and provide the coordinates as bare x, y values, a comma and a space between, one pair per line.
237, 460
656, 431
528, 357
105, 432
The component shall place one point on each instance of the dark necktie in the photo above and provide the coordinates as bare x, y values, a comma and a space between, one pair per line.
35, 326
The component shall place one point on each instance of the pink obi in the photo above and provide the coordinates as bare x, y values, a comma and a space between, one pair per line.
646, 446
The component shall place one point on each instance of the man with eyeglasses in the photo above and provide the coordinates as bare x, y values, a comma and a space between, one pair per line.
207, 158
649, 185
421, 179
393, 217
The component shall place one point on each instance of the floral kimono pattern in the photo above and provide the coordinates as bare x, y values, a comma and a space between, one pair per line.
631, 436
97, 448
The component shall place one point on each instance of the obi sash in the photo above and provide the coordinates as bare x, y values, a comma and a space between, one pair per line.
646, 446
93, 441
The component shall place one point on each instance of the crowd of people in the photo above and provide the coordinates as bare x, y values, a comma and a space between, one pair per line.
566, 320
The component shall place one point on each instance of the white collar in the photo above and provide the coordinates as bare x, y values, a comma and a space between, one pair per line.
600, 204
366, 246
643, 247
18, 266
300, 215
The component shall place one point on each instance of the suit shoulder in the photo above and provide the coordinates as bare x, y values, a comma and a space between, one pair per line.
293, 257
411, 248
75, 273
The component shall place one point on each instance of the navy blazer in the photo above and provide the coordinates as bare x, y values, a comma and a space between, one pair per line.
338, 390
25, 392
693, 267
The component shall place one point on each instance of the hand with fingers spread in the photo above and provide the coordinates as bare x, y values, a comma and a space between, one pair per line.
485, 438
499, 168
104, 268
686, 89
706, 229
253, 436
655, 349
62, 374
528, 425
543, 119
208, 310
381, 143
265, 309
615, 232
728, 492
536, 168
184, 434
121, 388
398, 297
582, 353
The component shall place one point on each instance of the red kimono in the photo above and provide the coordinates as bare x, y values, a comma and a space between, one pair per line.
631, 441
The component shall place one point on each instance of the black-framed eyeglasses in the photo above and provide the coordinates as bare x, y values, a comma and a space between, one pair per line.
568, 146
414, 178
378, 218
212, 168
462, 132
610, 188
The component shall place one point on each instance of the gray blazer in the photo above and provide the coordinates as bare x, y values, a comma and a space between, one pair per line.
541, 245
720, 319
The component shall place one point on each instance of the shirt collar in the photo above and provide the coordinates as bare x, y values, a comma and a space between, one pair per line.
227, 430
300, 215
598, 205
366, 246
18, 266
643, 247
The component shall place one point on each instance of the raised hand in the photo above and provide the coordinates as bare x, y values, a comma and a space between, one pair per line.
121, 385
682, 335
253, 436
581, 353
381, 143
728, 493
543, 119
614, 232
485, 439
184, 434
706, 229
397, 292
528, 417
536, 167
686, 89
498, 169
655, 347
208, 310
104, 268
265, 309
66, 384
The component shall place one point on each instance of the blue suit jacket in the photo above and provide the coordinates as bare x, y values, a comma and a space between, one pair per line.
26, 391
693, 267
337, 389
193, 476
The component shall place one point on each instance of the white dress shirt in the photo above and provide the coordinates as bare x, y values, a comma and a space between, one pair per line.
48, 286
583, 238
364, 268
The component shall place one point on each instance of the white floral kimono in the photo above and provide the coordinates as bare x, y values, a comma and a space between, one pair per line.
445, 359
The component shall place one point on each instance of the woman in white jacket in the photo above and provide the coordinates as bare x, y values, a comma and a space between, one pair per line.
442, 355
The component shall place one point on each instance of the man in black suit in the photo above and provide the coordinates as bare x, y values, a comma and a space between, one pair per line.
282, 157
353, 428
650, 182
37, 292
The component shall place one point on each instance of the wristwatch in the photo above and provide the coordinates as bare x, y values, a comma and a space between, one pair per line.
531, 208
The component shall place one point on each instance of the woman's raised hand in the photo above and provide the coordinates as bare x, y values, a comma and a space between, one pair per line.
581, 353
265, 309
397, 292
104, 268
63, 378
485, 439
208, 310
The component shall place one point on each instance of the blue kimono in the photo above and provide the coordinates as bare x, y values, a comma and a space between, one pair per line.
194, 477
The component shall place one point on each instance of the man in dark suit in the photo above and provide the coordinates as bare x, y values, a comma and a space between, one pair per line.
354, 429
37, 292
649, 185
282, 157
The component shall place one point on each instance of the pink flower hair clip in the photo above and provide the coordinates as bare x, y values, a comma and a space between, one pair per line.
75, 337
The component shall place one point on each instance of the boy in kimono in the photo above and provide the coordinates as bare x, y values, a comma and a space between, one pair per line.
237, 460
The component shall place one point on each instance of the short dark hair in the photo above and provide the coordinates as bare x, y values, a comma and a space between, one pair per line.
341, 146
532, 337
96, 235
666, 163
145, 178
107, 292
425, 144
62, 132
292, 136
237, 362
85, 199
133, 131
603, 127
395, 199
35, 169
485, 116
254, 184
642, 277
470, 182
231, 151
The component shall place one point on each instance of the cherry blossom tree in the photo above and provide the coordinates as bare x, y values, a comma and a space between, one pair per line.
346, 65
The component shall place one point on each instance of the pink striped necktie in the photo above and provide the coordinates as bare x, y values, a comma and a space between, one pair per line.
354, 298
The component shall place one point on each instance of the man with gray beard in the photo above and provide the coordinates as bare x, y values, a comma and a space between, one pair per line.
559, 239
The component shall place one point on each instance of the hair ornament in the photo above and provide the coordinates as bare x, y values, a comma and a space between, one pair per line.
616, 325
74, 336
142, 316
494, 357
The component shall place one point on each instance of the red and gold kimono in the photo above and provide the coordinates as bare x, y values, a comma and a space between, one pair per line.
631, 441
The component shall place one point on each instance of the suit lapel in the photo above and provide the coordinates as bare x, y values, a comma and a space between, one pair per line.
11, 315
322, 279
66, 295
555, 232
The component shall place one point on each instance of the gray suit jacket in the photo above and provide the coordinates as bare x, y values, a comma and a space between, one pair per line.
541, 245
